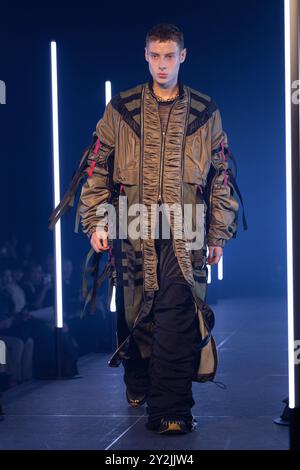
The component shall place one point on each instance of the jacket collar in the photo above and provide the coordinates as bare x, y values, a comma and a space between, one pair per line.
180, 84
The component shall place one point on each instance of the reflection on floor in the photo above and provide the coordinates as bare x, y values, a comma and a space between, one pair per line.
91, 412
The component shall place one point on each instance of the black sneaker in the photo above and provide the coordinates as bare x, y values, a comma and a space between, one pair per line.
176, 426
135, 399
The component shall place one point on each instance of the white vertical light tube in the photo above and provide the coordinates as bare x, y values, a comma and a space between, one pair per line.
289, 208
208, 274
107, 92
220, 269
208, 268
56, 179
112, 306
2, 353
2, 92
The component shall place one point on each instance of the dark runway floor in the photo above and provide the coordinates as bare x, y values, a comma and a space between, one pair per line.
91, 412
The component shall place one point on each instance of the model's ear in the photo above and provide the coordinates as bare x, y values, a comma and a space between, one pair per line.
146, 55
183, 55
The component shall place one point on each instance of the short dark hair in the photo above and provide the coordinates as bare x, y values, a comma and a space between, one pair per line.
165, 32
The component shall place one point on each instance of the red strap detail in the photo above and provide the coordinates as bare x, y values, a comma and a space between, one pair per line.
225, 181
91, 169
222, 152
93, 164
121, 188
97, 146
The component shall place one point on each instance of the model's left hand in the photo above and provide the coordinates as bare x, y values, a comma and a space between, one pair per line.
215, 253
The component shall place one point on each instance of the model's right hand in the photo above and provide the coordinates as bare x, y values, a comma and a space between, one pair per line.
99, 241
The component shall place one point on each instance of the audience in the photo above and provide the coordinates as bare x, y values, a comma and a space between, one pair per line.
27, 301
19, 351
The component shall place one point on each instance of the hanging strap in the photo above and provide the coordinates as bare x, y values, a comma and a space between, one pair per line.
237, 190
68, 199
227, 154
93, 270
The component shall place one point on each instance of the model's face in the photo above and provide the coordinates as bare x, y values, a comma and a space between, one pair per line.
164, 60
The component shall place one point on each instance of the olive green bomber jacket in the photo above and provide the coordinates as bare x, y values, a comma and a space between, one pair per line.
189, 164
129, 133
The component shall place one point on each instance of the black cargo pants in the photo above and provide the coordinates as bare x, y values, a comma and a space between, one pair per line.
166, 377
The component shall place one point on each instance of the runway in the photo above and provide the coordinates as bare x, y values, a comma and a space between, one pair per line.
91, 412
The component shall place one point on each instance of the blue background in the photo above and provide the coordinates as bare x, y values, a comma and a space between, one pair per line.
235, 54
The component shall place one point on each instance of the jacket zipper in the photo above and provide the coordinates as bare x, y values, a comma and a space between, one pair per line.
161, 167
141, 180
182, 161
162, 153
183, 147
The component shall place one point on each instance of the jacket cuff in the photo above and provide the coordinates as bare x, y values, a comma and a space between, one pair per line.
216, 242
90, 232
93, 229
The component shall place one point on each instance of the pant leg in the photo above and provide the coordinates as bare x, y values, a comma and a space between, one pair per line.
136, 376
136, 371
174, 342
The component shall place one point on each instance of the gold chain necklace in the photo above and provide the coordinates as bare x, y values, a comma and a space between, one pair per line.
165, 100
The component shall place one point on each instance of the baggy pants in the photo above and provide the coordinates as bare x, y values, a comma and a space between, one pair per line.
166, 377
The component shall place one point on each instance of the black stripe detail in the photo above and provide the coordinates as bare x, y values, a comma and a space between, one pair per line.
118, 104
137, 282
200, 279
196, 113
135, 96
138, 254
135, 111
202, 117
200, 98
138, 268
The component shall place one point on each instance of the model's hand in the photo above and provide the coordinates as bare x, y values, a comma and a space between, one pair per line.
215, 253
99, 241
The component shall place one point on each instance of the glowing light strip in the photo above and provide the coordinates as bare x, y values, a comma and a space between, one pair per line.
289, 216
112, 306
208, 274
220, 269
57, 234
107, 92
